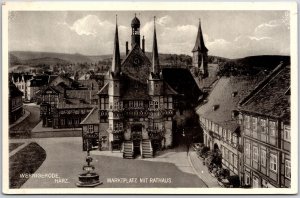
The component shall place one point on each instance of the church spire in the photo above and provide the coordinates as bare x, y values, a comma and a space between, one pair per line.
155, 60
116, 61
199, 45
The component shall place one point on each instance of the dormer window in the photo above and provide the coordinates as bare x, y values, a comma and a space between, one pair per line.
215, 107
234, 93
234, 114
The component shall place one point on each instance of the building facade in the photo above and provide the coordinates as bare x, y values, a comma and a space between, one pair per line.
265, 125
219, 119
15, 103
64, 108
135, 104
21, 80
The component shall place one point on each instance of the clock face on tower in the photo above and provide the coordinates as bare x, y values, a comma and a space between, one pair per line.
136, 61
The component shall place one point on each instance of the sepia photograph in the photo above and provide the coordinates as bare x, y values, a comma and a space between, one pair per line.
149, 98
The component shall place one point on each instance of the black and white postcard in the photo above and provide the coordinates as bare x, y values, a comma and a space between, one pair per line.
149, 98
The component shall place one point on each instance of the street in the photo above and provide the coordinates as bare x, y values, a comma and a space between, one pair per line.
65, 159
30, 122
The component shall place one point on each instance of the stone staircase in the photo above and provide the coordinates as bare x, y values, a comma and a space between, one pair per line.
146, 149
128, 150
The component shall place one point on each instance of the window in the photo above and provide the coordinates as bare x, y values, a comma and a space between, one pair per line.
155, 104
118, 126
272, 129
150, 104
234, 139
136, 103
263, 126
62, 122
263, 157
235, 161
254, 125
170, 103
220, 131
229, 136
224, 134
90, 128
286, 133
287, 168
247, 178
247, 122
69, 121
230, 157
155, 126
255, 153
131, 103
141, 104
247, 149
273, 162
255, 182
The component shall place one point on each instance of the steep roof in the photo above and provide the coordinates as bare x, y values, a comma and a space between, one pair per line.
136, 65
169, 90
56, 89
82, 94
155, 60
271, 97
116, 61
135, 91
199, 45
92, 117
224, 98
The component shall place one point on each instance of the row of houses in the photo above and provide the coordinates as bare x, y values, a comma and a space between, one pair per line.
31, 84
248, 120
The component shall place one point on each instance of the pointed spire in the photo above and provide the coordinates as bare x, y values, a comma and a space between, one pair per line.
116, 61
155, 60
199, 45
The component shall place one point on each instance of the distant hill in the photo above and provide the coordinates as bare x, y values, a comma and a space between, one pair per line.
72, 62
251, 65
28, 55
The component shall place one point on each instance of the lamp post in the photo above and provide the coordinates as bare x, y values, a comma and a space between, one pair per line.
88, 178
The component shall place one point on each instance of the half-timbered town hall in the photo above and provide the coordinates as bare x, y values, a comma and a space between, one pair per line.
135, 104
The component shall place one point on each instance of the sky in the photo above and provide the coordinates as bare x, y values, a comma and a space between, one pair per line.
230, 34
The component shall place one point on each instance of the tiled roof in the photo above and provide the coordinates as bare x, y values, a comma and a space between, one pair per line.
135, 92
51, 78
56, 89
92, 117
82, 94
136, 65
270, 97
224, 98
169, 90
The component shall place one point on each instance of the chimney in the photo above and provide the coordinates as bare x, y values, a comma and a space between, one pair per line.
143, 44
127, 48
